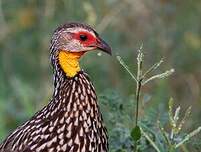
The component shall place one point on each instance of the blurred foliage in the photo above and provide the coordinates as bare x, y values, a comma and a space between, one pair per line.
120, 121
169, 29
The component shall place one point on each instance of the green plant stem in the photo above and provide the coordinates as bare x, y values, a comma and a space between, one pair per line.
139, 83
121, 61
138, 89
187, 137
150, 140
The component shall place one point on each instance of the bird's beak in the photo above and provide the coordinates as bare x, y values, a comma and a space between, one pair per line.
102, 45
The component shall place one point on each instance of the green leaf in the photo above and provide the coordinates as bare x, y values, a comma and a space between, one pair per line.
136, 133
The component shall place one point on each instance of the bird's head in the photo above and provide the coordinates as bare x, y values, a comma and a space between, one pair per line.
70, 41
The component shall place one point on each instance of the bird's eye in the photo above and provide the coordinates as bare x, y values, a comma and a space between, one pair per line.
83, 37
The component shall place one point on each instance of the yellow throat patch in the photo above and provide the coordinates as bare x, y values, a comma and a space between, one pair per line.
69, 62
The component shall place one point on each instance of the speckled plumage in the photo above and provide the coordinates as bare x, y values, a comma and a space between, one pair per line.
71, 122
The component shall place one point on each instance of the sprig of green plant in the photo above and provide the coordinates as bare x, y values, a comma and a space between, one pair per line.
173, 139
141, 80
174, 120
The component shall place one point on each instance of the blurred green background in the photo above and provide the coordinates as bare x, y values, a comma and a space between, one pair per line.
167, 28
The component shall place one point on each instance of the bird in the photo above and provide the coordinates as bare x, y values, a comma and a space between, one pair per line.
72, 120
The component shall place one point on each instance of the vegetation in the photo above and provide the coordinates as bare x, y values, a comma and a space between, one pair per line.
139, 138
171, 29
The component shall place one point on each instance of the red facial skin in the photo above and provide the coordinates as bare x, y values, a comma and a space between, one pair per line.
90, 38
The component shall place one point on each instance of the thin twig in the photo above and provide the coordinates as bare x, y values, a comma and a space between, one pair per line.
126, 67
152, 68
150, 140
159, 76
139, 82
174, 123
138, 89
190, 135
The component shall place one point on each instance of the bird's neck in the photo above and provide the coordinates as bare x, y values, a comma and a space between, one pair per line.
66, 67
69, 62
